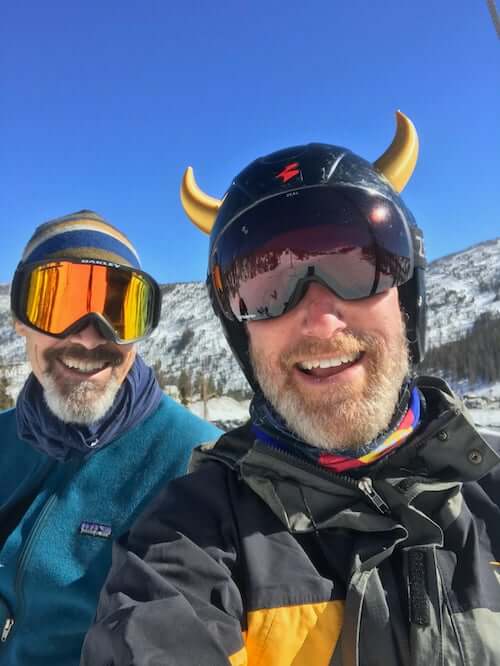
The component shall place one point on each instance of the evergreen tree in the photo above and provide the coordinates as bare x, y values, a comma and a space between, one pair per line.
198, 383
185, 386
161, 375
211, 387
5, 400
475, 357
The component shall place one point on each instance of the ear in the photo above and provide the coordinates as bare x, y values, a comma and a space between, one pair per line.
21, 329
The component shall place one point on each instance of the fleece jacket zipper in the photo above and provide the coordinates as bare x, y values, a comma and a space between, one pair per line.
26, 553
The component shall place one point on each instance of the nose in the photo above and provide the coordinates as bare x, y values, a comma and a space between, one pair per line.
88, 337
323, 313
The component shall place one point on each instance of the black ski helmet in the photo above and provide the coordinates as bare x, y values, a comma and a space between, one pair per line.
315, 166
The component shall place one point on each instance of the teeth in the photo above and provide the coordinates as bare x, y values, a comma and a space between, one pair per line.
83, 366
327, 362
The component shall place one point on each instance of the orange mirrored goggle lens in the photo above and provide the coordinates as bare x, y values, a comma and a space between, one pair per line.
61, 293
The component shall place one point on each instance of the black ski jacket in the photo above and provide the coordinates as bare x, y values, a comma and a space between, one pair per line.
258, 558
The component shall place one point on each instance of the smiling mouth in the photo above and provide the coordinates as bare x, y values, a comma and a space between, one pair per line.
81, 367
326, 367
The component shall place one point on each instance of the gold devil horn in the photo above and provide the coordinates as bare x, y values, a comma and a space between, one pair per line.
201, 208
398, 161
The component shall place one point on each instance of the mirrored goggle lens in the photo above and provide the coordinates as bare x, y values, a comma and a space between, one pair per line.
356, 243
58, 294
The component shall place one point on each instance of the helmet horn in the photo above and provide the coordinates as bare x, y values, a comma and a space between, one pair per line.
398, 161
201, 208
396, 164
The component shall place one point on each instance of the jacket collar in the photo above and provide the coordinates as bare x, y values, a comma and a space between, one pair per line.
446, 446
422, 478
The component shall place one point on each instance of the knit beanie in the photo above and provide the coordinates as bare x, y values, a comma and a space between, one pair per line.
81, 235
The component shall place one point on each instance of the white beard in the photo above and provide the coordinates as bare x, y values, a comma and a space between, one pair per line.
82, 403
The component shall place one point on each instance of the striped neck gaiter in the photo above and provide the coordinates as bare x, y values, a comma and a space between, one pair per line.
270, 429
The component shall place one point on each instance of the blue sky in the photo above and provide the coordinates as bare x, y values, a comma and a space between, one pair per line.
104, 103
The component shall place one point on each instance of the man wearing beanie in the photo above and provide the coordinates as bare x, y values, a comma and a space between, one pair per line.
92, 437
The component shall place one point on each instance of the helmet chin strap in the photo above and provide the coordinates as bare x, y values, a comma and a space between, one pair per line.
413, 307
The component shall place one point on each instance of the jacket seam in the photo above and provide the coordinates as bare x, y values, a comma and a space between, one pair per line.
450, 614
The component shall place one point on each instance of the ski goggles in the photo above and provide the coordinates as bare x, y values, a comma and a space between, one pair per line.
353, 241
58, 297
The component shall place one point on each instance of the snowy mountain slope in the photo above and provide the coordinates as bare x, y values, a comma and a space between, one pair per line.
190, 338
11, 346
460, 288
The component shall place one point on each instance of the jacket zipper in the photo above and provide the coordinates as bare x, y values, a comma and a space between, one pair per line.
363, 485
9, 623
24, 556
26, 552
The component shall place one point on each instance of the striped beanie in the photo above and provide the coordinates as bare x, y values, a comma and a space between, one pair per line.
81, 235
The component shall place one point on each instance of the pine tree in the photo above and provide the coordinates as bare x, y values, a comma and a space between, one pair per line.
475, 357
5, 400
161, 375
185, 386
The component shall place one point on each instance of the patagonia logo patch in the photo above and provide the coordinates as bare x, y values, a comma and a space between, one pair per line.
95, 529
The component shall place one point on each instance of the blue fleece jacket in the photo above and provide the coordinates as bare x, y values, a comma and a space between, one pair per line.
54, 562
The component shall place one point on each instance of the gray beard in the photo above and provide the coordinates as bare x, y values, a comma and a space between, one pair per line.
340, 419
82, 403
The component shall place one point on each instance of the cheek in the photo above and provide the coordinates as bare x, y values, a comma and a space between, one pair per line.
268, 361
394, 327
34, 353
266, 339
122, 370
386, 319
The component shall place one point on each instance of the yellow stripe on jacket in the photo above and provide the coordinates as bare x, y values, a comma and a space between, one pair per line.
291, 635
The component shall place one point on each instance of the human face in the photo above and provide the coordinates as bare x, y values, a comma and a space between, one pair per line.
80, 374
333, 369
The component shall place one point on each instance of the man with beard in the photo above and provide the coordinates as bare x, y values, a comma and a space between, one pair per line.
92, 437
355, 520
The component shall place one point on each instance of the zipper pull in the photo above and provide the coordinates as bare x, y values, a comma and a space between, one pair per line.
366, 486
9, 623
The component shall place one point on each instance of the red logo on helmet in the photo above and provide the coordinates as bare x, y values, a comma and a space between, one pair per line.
289, 172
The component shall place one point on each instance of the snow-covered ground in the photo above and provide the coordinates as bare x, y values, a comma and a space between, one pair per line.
229, 413
483, 403
222, 410
486, 418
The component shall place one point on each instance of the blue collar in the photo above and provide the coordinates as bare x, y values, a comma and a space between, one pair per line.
137, 398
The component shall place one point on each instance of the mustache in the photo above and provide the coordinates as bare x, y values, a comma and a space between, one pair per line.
344, 343
105, 353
